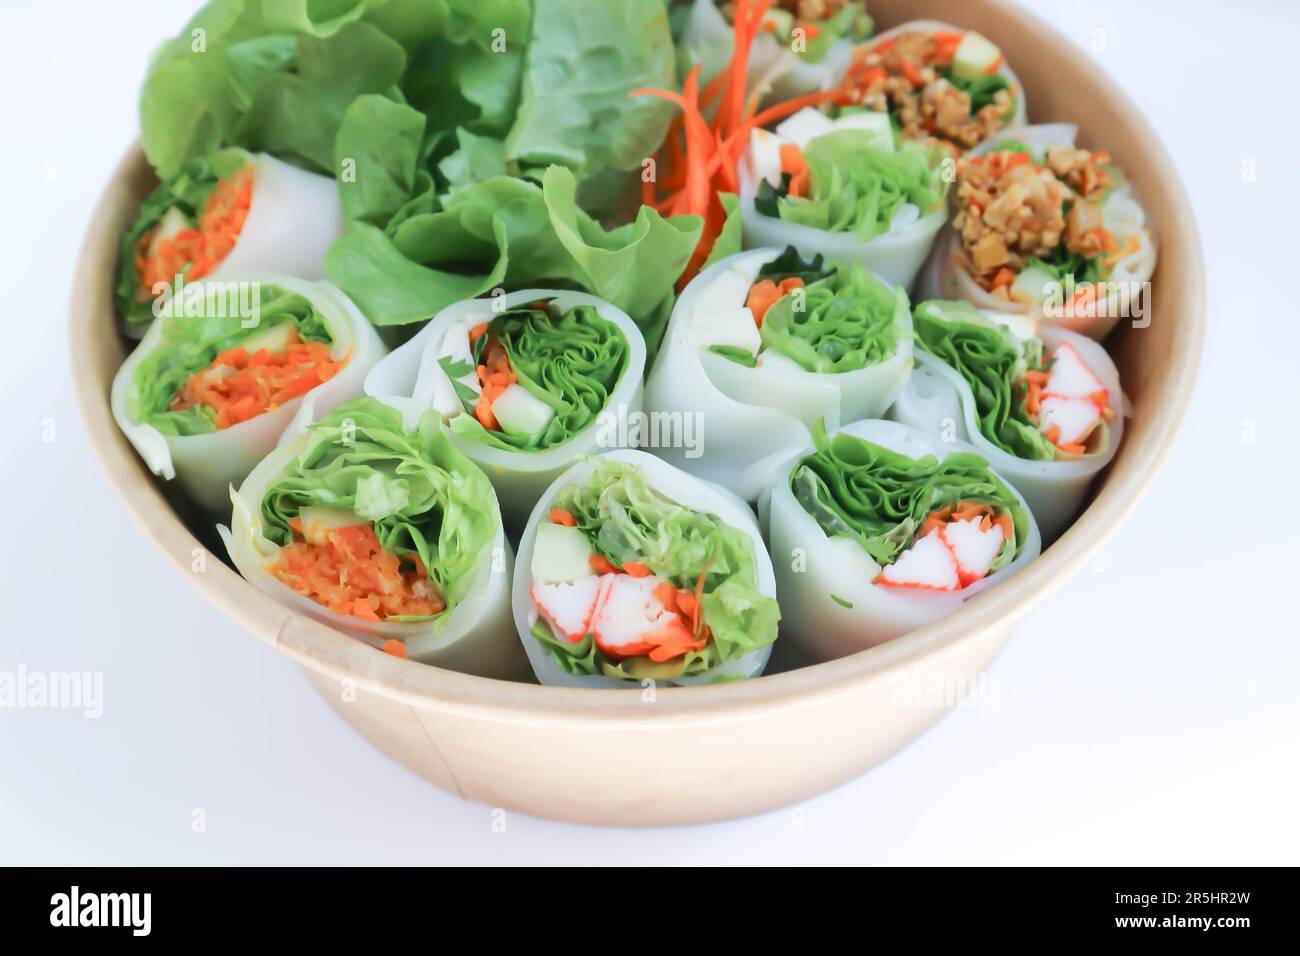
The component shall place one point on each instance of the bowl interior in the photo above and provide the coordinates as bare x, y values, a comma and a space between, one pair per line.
1157, 363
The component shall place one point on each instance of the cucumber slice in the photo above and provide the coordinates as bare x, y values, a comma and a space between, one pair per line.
273, 338
520, 412
561, 554
318, 521
173, 221
975, 57
1035, 284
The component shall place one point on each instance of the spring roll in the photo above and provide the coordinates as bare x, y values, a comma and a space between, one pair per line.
941, 84
843, 188
387, 534
760, 347
1043, 405
800, 47
1044, 227
224, 216
527, 382
631, 570
880, 529
217, 379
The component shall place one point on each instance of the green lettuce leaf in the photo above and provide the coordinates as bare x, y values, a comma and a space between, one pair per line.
189, 345
422, 496
855, 187
854, 488
586, 56
993, 362
625, 519
842, 322
512, 231
270, 75
570, 359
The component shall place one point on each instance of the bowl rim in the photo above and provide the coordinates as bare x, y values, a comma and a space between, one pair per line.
332, 653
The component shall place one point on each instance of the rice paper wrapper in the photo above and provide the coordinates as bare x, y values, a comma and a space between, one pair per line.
938, 401
411, 380
944, 277
205, 466
293, 218
475, 637
747, 422
686, 490
896, 256
814, 569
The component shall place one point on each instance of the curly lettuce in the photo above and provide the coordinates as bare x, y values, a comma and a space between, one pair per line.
570, 359
856, 489
190, 344
421, 495
993, 362
855, 186
625, 519
845, 319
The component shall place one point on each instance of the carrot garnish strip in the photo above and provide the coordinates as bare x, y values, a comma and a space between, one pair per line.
636, 569
601, 565
560, 516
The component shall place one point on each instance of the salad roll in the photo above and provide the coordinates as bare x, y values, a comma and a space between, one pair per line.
217, 379
224, 216
799, 46
941, 84
764, 344
1045, 227
880, 529
527, 382
1043, 406
844, 188
387, 534
631, 570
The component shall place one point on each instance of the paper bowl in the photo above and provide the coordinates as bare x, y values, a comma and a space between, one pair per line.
689, 755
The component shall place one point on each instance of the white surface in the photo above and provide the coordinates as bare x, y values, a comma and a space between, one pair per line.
1147, 712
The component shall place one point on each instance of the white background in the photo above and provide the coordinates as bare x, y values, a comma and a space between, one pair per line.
1147, 712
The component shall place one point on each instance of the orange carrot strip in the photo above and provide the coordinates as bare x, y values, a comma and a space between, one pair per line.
560, 516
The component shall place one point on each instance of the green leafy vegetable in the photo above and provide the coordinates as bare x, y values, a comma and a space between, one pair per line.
421, 495
854, 488
843, 322
570, 359
189, 345
625, 519
856, 187
993, 362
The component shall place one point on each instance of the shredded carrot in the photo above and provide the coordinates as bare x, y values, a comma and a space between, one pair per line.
396, 648
201, 249
700, 159
666, 595
239, 386
351, 573
765, 293
793, 163
560, 516
495, 375
600, 564
636, 569
477, 332
1053, 433
1003, 277
945, 46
